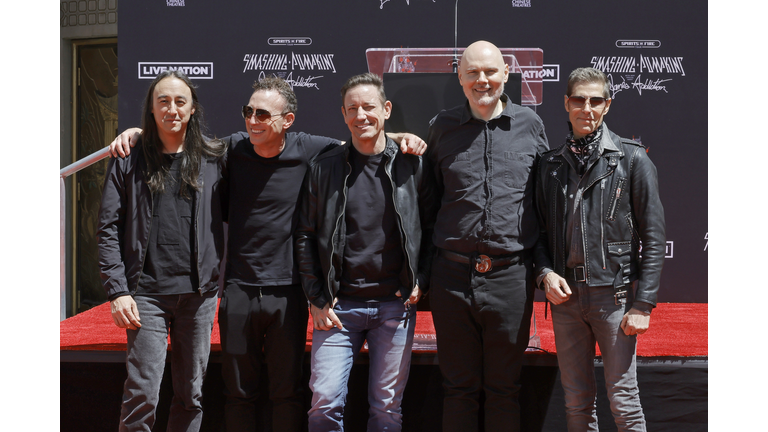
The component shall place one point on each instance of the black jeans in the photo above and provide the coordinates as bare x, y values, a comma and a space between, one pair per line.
482, 321
263, 324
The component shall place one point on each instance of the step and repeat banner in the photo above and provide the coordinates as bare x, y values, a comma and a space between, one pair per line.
654, 53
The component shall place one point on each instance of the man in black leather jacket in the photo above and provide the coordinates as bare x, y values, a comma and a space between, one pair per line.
598, 202
363, 256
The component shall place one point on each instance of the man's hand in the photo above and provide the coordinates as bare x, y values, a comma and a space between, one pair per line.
121, 146
415, 295
409, 143
124, 312
325, 318
556, 288
635, 322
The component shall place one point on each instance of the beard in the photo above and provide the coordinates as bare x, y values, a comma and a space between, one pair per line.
490, 98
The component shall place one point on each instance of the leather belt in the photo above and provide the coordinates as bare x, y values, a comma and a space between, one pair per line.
482, 263
578, 274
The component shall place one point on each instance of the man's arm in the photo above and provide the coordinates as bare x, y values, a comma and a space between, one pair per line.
409, 143
428, 203
121, 146
649, 216
308, 260
111, 265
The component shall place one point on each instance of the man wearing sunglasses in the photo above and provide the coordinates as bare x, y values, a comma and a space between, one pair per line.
263, 311
597, 198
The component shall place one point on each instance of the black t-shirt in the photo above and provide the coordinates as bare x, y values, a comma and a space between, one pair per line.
373, 252
263, 197
169, 267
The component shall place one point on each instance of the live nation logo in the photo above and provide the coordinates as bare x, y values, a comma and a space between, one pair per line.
297, 69
193, 70
549, 72
640, 72
174, 2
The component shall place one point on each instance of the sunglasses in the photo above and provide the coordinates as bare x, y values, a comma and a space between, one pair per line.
580, 101
261, 114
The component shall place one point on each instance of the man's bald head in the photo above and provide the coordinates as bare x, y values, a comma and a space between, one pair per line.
482, 74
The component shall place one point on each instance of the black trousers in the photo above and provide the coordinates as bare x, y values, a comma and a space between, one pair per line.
482, 321
263, 324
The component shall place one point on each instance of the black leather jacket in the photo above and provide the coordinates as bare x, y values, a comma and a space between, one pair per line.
320, 232
125, 221
620, 209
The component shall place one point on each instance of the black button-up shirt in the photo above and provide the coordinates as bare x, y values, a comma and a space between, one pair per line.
484, 172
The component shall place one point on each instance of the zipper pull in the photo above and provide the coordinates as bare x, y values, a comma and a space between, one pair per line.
602, 184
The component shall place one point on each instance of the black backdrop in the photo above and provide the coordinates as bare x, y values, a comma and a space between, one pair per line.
654, 51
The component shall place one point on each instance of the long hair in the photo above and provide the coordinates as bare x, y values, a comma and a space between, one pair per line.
196, 146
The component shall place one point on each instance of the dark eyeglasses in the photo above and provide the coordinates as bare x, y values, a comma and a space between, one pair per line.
579, 101
261, 114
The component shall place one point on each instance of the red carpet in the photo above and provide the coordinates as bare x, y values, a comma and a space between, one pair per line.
677, 330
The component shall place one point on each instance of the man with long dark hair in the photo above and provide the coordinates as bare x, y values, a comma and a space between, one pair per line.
161, 241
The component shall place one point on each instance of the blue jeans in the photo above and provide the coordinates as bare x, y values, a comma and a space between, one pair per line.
388, 327
590, 316
189, 317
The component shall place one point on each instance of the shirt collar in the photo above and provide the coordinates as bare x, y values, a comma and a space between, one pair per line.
508, 111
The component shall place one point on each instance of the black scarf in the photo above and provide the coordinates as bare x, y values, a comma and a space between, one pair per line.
582, 148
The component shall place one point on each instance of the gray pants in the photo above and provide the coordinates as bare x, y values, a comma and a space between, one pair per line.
189, 320
591, 316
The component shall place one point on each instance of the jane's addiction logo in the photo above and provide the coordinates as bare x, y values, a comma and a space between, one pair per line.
284, 65
641, 72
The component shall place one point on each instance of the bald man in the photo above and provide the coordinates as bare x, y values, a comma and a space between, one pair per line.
483, 155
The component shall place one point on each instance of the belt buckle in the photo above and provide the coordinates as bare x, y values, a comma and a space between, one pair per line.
580, 274
483, 263
620, 298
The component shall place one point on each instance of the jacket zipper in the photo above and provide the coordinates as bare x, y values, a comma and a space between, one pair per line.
619, 187
336, 228
602, 221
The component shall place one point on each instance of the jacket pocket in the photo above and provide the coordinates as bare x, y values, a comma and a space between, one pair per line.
620, 249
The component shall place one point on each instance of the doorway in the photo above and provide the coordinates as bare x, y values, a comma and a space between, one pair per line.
94, 127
